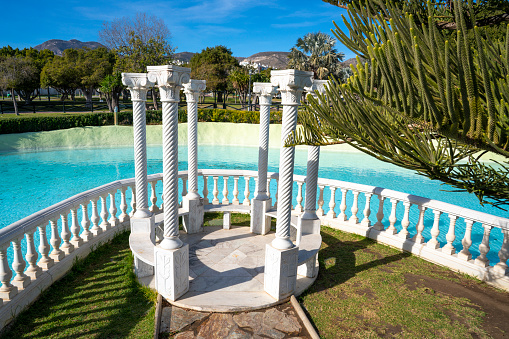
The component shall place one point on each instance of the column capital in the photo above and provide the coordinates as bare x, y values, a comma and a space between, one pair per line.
317, 86
291, 84
169, 80
138, 84
193, 88
265, 91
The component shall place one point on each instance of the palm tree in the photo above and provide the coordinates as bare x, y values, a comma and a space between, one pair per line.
315, 52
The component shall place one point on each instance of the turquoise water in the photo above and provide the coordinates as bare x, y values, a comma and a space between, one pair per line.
31, 181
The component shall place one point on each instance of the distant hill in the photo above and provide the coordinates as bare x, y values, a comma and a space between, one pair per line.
58, 46
185, 57
277, 60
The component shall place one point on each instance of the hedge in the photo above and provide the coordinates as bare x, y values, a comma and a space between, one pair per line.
54, 121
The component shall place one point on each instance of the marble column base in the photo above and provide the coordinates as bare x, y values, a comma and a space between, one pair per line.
260, 223
144, 225
280, 274
172, 271
310, 268
193, 222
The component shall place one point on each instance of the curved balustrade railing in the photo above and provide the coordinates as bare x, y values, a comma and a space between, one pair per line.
41, 248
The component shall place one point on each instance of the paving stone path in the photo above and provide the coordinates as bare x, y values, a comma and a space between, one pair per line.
279, 322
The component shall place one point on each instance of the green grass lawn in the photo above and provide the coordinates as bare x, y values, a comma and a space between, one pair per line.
363, 290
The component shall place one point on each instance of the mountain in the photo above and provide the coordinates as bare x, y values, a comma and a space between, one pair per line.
58, 46
277, 60
185, 57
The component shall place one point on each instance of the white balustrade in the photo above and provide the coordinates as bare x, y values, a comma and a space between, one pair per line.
66, 247
380, 214
235, 192
96, 230
332, 203
215, 191
299, 208
342, 207
355, 208
225, 200
367, 211
153, 197
124, 217
113, 221
76, 240
33, 270
246, 201
205, 191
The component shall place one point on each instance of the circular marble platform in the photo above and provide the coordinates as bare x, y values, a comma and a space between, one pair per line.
226, 271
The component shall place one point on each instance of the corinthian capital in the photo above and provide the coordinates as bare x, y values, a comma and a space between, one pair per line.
265, 91
193, 88
169, 79
138, 84
317, 86
291, 84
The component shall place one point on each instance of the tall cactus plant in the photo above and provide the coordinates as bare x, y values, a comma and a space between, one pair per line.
427, 99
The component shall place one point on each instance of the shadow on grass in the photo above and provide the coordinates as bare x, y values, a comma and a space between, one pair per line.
99, 298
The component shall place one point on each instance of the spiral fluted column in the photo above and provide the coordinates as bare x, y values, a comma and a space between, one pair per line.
313, 161
138, 84
265, 92
291, 84
169, 80
192, 89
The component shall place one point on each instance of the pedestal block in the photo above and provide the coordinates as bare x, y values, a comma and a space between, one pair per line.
193, 222
280, 271
260, 223
172, 271
142, 269
144, 225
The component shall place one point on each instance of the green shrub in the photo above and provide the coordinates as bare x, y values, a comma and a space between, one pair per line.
54, 121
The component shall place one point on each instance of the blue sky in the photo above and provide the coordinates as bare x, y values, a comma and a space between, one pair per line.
245, 26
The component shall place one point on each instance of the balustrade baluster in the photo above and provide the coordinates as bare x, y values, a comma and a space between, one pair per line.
247, 193
153, 197
419, 239
124, 217
225, 191
268, 187
299, 207
66, 247
466, 241
133, 201
235, 200
342, 207
105, 225
367, 210
355, 208
503, 254
319, 211
332, 202
86, 235
76, 240
184, 187
435, 231
205, 190
215, 192
451, 236
33, 270
405, 222
484, 247
277, 190
392, 218
57, 254
96, 230
21, 280
380, 214
7, 291
46, 261
113, 210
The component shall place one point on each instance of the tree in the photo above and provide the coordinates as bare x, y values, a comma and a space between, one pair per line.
239, 79
315, 52
112, 86
427, 100
213, 64
20, 75
62, 74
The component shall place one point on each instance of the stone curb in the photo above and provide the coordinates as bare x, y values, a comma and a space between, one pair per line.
157, 323
307, 324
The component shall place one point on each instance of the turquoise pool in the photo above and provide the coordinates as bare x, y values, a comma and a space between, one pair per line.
33, 180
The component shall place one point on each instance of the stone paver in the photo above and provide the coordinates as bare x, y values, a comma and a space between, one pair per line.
279, 322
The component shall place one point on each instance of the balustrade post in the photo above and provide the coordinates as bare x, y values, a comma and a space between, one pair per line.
76, 240
367, 211
246, 201
451, 236
133, 201
205, 191
260, 223
435, 231
215, 191
113, 210
355, 208
235, 200
379, 226
342, 207
124, 217
281, 254
419, 239
503, 254
332, 202
467, 241
7, 291
86, 235
298, 208
57, 254
392, 218
484, 247
96, 230
33, 270
171, 255
138, 84
66, 247
405, 222
320, 211
225, 200
153, 197
46, 261
21, 280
